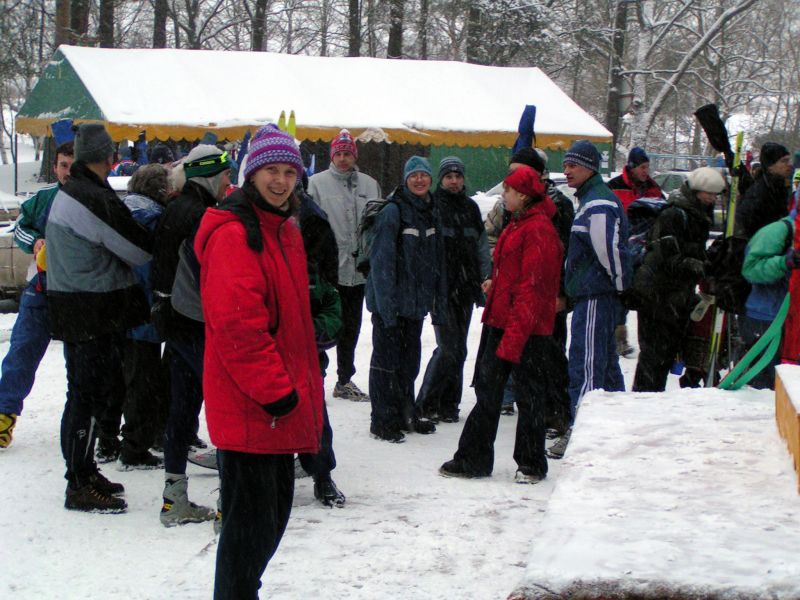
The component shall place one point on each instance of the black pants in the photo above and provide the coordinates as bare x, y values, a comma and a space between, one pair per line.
256, 492
659, 343
322, 463
752, 330
444, 376
146, 395
352, 298
476, 446
556, 369
186, 400
94, 373
392, 371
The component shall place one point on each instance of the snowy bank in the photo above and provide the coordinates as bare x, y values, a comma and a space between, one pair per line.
686, 494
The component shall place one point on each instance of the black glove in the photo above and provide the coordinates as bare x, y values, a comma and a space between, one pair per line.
694, 267
160, 315
282, 407
792, 259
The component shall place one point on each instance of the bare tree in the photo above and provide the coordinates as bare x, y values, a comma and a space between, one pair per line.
62, 33
106, 29
160, 15
354, 28
395, 47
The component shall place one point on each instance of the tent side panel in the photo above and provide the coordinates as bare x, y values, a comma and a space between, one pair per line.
485, 166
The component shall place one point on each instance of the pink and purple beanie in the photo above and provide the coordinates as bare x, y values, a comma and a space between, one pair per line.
271, 146
344, 142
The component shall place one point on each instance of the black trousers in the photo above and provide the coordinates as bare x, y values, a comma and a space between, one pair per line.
476, 445
186, 400
146, 395
94, 373
556, 400
392, 371
256, 492
352, 298
659, 343
444, 376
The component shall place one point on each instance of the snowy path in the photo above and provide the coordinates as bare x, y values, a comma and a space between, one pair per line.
405, 532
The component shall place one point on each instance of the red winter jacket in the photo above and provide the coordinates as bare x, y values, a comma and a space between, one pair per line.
627, 190
259, 336
525, 278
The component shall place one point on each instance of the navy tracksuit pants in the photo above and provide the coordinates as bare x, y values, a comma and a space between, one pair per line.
593, 359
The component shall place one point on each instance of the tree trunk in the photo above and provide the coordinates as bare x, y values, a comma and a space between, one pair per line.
395, 46
79, 21
160, 14
106, 27
354, 29
474, 36
423, 29
372, 43
639, 129
259, 26
615, 80
324, 24
62, 22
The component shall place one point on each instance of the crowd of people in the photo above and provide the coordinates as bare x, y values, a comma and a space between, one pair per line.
225, 282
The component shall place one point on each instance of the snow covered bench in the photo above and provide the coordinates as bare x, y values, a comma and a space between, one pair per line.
686, 494
787, 400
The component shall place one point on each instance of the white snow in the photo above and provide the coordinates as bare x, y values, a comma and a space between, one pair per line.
323, 91
694, 490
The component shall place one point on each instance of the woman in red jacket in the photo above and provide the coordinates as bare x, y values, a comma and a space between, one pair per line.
519, 315
261, 380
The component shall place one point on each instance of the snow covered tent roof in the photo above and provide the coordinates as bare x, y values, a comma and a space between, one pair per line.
181, 94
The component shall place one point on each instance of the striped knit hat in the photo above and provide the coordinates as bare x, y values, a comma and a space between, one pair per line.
272, 146
344, 142
585, 154
451, 164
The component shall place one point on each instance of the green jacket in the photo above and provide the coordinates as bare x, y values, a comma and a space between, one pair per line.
32, 218
765, 267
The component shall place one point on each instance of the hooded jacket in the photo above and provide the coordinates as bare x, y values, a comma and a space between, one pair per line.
260, 342
406, 275
525, 279
598, 261
628, 190
343, 197
765, 202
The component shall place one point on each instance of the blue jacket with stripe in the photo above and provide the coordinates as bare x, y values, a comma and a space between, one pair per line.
598, 259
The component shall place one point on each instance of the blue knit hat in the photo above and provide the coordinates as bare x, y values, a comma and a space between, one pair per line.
585, 154
271, 146
451, 164
416, 164
637, 156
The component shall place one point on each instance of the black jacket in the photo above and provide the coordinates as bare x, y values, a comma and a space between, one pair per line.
466, 249
765, 202
675, 258
179, 222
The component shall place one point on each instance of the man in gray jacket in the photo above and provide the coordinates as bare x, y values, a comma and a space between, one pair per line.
342, 191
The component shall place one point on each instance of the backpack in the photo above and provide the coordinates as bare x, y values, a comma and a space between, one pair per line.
642, 215
365, 234
185, 297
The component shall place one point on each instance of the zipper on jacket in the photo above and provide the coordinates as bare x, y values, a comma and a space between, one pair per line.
274, 420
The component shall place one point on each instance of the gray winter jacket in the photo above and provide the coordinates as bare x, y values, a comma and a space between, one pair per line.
343, 196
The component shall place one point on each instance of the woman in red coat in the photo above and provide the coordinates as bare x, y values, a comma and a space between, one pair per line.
261, 380
519, 315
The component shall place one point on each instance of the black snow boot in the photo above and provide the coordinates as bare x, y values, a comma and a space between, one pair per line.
327, 493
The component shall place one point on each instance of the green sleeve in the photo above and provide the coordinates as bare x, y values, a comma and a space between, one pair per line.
26, 231
764, 260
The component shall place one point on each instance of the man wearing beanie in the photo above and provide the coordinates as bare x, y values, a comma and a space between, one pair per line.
343, 191
93, 298
664, 286
467, 266
207, 177
405, 283
597, 272
766, 200
635, 182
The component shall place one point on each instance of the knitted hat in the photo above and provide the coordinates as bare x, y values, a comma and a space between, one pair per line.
344, 142
530, 157
706, 179
92, 143
771, 153
416, 164
637, 156
451, 164
272, 146
205, 161
161, 154
585, 154
526, 181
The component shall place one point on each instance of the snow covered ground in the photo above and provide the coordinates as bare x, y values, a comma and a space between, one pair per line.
406, 532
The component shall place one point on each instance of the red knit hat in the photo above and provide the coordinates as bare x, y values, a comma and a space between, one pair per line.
526, 181
344, 142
